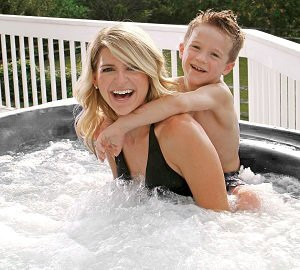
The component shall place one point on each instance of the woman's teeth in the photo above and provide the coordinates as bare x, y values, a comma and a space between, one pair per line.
122, 92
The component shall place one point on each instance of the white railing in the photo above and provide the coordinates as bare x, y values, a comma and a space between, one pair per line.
55, 47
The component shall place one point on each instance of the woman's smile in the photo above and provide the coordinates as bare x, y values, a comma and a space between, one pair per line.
122, 95
123, 88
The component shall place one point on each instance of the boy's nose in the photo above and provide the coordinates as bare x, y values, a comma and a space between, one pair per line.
202, 57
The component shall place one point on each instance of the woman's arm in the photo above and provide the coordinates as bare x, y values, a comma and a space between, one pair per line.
188, 150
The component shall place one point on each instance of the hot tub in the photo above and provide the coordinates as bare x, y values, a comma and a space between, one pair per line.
61, 209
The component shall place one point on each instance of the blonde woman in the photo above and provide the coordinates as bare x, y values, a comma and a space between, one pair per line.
124, 70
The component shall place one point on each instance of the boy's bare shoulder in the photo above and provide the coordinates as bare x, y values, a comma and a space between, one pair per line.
221, 92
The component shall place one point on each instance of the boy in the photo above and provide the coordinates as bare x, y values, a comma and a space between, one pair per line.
211, 45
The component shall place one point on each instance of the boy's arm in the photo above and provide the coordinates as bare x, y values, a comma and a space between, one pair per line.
204, 98
111, 139
207, 97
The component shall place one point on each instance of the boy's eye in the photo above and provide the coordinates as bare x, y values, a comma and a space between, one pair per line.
215, 55
196, 47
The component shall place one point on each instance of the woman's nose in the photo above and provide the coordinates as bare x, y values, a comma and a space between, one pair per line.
121, 77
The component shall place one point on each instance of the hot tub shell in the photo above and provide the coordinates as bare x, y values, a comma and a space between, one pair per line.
55, 121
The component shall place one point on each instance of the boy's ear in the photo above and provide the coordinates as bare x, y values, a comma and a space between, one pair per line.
228, 68
181, 49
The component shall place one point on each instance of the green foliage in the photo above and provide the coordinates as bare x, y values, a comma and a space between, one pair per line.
118, 10
48, 8
277, 17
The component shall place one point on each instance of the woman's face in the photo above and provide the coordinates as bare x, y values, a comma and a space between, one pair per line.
123, 88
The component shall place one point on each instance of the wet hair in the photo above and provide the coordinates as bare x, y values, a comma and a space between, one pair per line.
132, 46
225, 21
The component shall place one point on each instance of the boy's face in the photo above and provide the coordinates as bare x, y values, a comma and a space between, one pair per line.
205, 56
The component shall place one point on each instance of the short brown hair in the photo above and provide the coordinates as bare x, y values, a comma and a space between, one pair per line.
225, 21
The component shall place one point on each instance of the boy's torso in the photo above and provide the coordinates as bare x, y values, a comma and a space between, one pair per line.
225, 138
222, 128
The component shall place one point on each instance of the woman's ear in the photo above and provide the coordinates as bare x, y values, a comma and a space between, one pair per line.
228, 68
95, 81
181, 49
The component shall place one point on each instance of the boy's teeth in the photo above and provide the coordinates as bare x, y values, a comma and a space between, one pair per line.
200, 69
122, 92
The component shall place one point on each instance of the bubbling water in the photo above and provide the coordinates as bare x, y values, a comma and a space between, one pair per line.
60, 209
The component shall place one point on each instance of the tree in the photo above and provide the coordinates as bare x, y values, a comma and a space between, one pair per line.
49, 8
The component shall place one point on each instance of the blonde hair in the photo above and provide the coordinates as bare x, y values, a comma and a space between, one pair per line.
132, 46
225, 21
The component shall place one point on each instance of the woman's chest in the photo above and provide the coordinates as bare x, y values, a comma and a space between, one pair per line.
136, 156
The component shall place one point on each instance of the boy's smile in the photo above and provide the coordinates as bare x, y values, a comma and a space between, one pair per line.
205, 56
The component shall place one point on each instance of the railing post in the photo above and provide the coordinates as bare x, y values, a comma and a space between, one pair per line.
5, 71
236, 87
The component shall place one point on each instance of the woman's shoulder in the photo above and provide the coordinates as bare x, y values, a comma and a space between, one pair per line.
177, 129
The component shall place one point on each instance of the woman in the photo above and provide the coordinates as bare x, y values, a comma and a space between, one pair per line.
124, 69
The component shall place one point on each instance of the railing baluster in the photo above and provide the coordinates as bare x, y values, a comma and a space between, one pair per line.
52, 69
5, 70
236, 88
274, 94
283, 101
32, 71
265, 95
15, 71
1, 104
42, 70
174, 63
257, 92
251, 94
73, 64
83, 53
62, 68
298, 104
261, 97
24, 73
291, 104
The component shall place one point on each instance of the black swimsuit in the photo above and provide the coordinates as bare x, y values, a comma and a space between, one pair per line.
158, 172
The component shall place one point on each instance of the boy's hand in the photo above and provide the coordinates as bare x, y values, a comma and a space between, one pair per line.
110, 140
100, 151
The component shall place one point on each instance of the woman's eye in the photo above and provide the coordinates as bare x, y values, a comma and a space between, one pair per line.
108, 69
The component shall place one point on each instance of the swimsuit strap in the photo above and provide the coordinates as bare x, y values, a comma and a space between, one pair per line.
122, 168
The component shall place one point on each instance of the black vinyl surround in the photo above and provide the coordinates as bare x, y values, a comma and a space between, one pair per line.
28, 127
